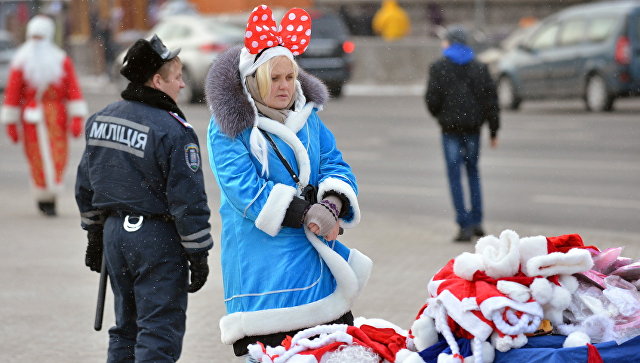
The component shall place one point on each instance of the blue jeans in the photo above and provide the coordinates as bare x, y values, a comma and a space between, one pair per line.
463, 151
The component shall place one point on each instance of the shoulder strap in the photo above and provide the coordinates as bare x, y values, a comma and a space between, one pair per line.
282, 159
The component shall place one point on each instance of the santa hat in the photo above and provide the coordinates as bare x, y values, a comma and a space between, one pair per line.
42, 26
548, 256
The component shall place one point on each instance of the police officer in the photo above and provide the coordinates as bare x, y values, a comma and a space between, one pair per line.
141, 196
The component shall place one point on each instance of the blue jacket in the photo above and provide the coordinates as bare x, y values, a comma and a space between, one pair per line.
146, 161
276, 278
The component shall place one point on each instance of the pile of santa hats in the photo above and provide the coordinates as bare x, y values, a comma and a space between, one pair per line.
492, 297
500, 293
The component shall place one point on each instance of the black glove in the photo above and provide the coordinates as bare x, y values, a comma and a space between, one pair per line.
93, 257
199, 270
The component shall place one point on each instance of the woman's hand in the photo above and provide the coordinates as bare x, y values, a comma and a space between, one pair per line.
332, 235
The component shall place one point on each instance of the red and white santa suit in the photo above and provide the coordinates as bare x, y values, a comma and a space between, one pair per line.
43, 103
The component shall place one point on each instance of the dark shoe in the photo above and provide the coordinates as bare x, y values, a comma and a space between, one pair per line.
478, 231
464, 235
47, 208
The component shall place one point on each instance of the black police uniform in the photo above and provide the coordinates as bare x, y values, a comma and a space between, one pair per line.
140, 181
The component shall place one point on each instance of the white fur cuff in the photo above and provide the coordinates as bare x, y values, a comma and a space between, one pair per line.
77, 108
342, 187
9, 114
272, 214
556, 263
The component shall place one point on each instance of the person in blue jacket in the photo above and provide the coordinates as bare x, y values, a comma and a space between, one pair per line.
282, 267
141, 195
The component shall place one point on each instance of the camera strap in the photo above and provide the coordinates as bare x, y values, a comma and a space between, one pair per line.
282, 159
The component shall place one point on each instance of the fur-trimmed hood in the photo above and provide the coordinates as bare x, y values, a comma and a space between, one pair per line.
228, 102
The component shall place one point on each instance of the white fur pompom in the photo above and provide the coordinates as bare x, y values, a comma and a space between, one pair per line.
424, 332
503, 344
561, 298
541, 290
569, 282
466, 264
576, 339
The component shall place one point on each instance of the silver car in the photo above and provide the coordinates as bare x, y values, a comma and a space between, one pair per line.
202, 38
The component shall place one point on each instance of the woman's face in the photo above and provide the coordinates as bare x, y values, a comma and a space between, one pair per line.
282, 84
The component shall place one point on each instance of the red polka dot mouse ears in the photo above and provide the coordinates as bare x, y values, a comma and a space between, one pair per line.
293, 33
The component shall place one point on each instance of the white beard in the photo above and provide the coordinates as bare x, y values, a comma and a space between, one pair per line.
41, 62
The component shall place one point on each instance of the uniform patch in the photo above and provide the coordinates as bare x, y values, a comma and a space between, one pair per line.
192, 156
181, 120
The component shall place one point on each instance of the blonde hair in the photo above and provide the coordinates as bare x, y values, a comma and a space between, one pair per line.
263, 74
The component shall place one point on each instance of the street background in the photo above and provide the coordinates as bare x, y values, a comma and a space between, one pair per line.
558, 169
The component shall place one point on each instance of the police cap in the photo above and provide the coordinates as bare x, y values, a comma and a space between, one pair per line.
144, 58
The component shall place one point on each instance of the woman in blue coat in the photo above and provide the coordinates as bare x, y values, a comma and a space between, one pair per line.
282, 267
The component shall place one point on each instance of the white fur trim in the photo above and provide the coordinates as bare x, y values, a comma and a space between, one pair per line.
466, 319
407, 356
531, 247
272, 214
432, 287
77, 108
569, 282
492, 304
514, 290
447, 358
576, 339
9, 114
296, 119
341, 186
519, 341
424, 332
347, 274
556, 263
413, 357
561, 298
503, 344
247, 65
362, 266
466, 265
553, 315
541, 290
501, 256
284, 133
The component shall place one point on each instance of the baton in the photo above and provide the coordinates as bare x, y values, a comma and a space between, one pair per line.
102, 289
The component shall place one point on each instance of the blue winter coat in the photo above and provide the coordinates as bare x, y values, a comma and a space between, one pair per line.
277, 278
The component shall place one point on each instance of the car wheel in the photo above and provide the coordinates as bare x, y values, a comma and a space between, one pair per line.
596, 96
186, 94
335, 90
507, 96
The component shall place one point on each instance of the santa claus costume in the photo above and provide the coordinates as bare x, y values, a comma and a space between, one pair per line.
43, 103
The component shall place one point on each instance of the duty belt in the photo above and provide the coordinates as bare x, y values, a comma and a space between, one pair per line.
138, 218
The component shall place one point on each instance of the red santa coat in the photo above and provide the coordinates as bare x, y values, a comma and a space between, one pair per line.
44, 122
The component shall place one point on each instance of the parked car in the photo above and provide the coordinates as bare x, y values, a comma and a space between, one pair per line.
329, 55
492, 55
590, 51
202, 39
7, 50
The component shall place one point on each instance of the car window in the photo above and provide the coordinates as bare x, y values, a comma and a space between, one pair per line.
328, 26
572, 32
600, 29
545, 38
